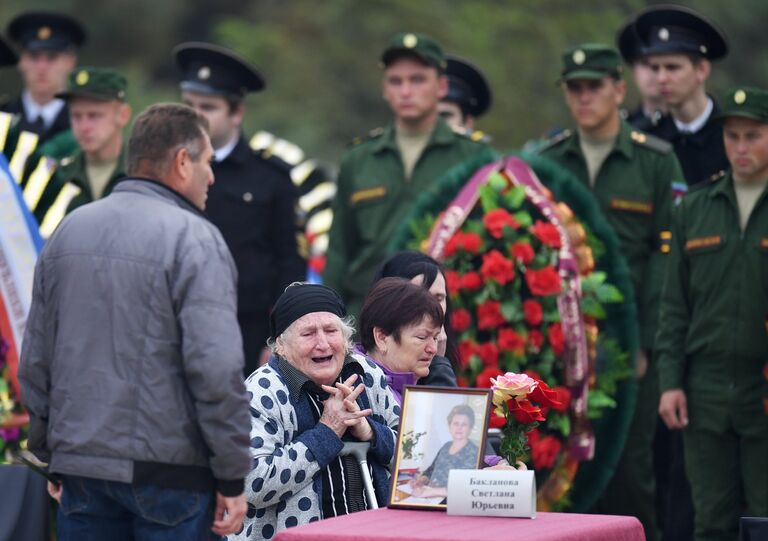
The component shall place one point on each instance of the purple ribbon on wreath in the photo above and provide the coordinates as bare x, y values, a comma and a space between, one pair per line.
581, 442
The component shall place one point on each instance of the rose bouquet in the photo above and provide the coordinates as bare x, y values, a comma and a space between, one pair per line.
521, 402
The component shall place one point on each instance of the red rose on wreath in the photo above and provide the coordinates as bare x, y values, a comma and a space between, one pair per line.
563, 398
489, 315
489, 354
556, 338
461, 319
483, 379
525, 412
535, 339
544, 452
509, 340
522, 252
532, 312
452, 282
467, 348
495, 220
497, 267
547, 234
471, 281
469, 242
543, 282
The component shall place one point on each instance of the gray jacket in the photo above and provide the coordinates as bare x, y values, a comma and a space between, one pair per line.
132, 353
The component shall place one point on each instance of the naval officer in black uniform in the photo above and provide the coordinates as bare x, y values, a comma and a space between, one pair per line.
48, 43
253, 201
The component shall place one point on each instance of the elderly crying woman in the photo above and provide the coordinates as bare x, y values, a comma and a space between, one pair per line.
310, 398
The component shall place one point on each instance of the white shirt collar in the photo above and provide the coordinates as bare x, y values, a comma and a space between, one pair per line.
49, 111
221, 154
698, 122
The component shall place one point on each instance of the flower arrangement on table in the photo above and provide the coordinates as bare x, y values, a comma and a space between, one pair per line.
13, 419
507, 288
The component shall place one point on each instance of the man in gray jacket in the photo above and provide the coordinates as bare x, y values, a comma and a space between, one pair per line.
132, 358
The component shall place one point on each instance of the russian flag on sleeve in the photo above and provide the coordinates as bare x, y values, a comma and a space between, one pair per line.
20, 243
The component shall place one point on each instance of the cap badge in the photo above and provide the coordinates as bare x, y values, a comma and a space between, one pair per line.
81, 78
247, 197
410, 41
703, 49
204, 73
44, 32
740, 97
663, 34
579, 56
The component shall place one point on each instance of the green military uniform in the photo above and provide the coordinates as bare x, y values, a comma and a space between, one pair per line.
69, 188
373, 199
374, 195
634, 187
713, 344
52, 189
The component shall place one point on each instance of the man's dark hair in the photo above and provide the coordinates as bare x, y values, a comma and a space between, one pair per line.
159, 132
393, 304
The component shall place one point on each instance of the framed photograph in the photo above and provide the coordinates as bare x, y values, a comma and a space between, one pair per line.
441, 429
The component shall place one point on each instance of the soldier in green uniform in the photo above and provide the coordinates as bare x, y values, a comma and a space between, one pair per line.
713, 332
98, 114
631, 175
382, 175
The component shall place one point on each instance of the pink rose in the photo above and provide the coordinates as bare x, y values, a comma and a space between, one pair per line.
511, 385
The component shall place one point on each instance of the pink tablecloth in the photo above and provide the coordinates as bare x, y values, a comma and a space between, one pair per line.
402, 525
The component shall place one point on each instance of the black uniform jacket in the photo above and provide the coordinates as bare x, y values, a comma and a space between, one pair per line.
701, 154
252, 202
60, 123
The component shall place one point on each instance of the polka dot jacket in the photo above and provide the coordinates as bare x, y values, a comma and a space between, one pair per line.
289, 450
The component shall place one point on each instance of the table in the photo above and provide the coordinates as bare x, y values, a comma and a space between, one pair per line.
397, 525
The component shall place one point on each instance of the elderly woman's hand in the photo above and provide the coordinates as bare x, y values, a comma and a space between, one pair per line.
362, 430
340, 411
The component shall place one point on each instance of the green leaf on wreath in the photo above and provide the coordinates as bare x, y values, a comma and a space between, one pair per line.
609, 293
592, 282
488, 199
598, 401
497, 181
591, 307
559, 421
511, 311
515, 197
475, 364
523, 218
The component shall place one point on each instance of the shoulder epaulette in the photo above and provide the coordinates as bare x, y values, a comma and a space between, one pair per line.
650, 141
67, 160
555, 139
273, 159
474, 135
269, 144
709, 182
373, 134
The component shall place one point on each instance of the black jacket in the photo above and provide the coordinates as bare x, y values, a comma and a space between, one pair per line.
60, 123
701, 154
252, 202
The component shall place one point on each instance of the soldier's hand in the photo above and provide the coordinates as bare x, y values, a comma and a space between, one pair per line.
673, 408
